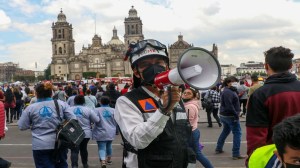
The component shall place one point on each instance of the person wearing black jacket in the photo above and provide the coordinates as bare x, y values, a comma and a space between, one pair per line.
113, 94
229, 116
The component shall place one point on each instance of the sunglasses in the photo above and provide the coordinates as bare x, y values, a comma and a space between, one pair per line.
136, 48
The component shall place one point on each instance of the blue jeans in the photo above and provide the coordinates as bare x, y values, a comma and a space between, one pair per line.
104, 149
230, 124
44, 158
195, 145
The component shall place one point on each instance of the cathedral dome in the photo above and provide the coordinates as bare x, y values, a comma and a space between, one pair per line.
115, 42
181, 42
115, 39
61, 17
132, 12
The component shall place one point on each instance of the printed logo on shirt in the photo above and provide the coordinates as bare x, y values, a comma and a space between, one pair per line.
78, 112
106, 114
148, 105
45, 112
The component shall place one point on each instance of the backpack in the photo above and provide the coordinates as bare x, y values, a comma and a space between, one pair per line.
69, 132
207, 102
27, 101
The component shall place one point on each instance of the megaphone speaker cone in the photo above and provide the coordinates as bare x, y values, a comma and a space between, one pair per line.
210, 68
196, 67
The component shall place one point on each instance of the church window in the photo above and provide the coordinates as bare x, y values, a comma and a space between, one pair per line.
136, 29
59, 67
60, 50
59, 71
132, 29
63, 33
128, 29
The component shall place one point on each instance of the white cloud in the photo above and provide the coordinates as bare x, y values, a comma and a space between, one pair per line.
5, 21
24, 6
242, 30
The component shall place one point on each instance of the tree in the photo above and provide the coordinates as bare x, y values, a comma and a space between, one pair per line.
47, 73
102, 75
41, 78
88, 75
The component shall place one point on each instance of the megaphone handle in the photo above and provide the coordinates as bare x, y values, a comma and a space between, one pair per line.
161, 107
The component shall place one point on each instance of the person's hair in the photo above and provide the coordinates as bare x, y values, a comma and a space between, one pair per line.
88, 91
100, 89
79, 100
229, 79
194, 91
242, 82
254, 78
104, 100
74, 92
43, 90
279, 58
111, 86
287, 133
214, 88
9, 96
126, 86
16, 90
27, 90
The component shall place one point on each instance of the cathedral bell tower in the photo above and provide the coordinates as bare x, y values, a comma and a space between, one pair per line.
133, 28
62, 47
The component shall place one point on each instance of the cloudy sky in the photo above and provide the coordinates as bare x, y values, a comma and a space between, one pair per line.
242, 29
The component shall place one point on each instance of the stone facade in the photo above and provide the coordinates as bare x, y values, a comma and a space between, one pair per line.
176, 49
106, 59
7, 71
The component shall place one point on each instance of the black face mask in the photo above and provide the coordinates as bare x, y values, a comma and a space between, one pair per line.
150, 73
287, 165
185, 100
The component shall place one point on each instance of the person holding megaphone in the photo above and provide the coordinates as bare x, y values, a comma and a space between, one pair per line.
153, 122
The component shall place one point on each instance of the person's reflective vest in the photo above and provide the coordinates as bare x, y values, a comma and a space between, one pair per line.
264, 157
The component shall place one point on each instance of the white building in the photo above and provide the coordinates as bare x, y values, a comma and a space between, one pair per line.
251, 67
228, 70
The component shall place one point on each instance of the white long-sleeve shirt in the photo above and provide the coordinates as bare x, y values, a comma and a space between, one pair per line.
137, 132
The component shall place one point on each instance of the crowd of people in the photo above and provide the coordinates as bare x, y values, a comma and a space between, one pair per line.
160, 128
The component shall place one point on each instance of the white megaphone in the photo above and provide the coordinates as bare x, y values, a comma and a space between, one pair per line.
196, 67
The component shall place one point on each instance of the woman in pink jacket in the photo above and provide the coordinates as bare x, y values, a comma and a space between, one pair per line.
192, 107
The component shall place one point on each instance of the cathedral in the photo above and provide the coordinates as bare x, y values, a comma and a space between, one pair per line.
105, 59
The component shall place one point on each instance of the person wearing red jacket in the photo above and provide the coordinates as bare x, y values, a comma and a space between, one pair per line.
3, 163
276, 100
